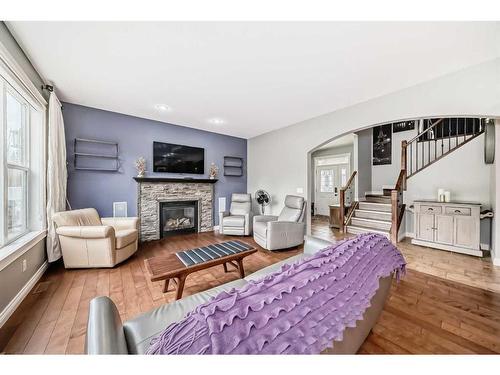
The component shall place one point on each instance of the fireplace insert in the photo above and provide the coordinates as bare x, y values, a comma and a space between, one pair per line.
177, 217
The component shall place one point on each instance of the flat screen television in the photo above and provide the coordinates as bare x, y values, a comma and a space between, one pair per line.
171, 158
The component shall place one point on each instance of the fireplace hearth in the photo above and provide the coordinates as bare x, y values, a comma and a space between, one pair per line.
177, 217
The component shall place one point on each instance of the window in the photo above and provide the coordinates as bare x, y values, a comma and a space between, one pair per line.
21, 160
16, 121
326, 181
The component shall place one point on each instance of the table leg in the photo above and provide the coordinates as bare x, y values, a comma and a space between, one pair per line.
225, 267
165, 286
180, 286
240, 268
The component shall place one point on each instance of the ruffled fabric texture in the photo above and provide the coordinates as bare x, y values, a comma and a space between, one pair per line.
300, 309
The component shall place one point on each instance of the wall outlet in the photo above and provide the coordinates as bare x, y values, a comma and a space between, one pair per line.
300, 190
25, 265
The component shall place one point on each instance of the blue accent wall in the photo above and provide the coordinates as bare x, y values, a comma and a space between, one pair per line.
135, 137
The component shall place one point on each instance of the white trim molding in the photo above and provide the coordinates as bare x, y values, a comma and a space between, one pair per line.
20, 74
14, 250
16, 301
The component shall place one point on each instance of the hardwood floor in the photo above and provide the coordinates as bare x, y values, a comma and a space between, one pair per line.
466, 269
448, 303
53, 318
424, 313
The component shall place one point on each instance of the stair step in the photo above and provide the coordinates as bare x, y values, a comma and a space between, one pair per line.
376, 215
377, 198
370, 223
372, 206
353, 229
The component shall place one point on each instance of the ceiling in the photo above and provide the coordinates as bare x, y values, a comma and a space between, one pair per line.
255, 76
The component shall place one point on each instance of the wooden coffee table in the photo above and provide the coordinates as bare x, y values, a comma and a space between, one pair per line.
170, 267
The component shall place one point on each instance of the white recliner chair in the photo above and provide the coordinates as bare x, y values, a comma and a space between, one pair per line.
88, 241
283, 231
238, 221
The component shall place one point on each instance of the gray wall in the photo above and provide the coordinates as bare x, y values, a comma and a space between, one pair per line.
473, 91
15, 50
364, 175
135, 137
12, 279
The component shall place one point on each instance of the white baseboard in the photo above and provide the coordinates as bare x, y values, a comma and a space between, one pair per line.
16, 301
216, 228
496, 262
484, 246
410, 234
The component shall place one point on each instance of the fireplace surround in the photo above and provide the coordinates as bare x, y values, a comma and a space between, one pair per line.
153, 191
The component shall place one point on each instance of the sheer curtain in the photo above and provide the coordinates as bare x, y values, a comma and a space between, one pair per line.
56, 174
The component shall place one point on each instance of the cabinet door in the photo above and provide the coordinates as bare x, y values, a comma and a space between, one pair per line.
444, 229
466, 232
425, 227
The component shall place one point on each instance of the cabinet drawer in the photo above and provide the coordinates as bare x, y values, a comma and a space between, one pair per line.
427, 209
457, 211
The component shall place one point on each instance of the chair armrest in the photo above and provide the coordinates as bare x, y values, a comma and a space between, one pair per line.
264, 218
98, 231
120, 223
314, 244
104, 329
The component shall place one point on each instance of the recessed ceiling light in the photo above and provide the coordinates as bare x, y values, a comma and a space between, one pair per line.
162, 108
216, 121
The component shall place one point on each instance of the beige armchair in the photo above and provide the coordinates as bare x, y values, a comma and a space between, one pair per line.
238, 221
283, 231
87, 241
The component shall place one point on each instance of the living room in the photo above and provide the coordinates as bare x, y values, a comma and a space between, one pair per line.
245, 188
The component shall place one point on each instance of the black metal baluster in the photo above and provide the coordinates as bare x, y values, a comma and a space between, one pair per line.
449, 134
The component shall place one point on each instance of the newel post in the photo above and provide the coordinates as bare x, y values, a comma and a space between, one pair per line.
394, 216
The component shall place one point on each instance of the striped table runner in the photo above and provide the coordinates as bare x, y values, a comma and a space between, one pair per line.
211, 252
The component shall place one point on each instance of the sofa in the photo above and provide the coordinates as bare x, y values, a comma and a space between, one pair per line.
238, 220
283, 231
106, 334
89, 241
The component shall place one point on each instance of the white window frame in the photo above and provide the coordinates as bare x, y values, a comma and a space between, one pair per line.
14, 79
5, 239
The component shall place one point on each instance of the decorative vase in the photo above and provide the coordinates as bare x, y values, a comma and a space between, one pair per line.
212, 173
140, 164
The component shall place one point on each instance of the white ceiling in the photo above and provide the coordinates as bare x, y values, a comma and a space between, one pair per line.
256, 76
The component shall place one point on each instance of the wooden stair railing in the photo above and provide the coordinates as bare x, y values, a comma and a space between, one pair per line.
438, 139
441, 137
345, 217
397, 205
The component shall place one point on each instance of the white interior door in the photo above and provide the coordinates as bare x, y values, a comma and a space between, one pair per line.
329, 180
326, 177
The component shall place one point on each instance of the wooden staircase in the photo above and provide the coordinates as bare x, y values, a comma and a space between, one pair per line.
438, 138
384, 213
372, 215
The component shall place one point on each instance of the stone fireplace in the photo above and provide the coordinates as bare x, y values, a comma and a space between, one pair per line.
173, 205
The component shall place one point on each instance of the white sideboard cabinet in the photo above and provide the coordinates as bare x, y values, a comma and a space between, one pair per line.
452, 226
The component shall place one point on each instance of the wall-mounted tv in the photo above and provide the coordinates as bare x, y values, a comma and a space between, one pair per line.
173, 158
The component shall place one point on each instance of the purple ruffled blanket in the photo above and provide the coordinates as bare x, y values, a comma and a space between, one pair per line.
301, 309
